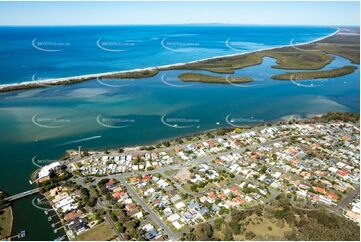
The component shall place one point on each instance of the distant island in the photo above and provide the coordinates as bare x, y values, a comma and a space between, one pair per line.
345, 70
197, 77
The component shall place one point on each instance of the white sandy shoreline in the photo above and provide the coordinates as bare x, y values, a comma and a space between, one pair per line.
81, 78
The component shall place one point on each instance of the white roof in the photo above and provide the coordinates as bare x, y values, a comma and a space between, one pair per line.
177, 225
173, 217
179, 205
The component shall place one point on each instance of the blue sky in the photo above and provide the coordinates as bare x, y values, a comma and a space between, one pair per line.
119, 13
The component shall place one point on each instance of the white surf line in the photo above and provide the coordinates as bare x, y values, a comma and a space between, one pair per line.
79, 140
64, 80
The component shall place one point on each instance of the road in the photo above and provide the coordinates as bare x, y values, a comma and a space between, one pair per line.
346, 200
120, 236
22, 194
153, 216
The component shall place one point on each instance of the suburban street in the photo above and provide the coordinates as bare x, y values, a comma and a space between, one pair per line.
153, 216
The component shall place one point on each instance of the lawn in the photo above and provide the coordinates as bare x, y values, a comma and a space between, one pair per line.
210, 185
170, 172
265, 228
6, 220
100, 232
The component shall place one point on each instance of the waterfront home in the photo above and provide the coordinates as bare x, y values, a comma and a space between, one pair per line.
78, 225
72, 215
46, 172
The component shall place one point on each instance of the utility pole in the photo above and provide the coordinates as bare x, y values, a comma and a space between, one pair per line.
79, 152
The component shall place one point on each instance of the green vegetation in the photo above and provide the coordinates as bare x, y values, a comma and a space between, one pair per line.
312, 56
100, 232
277, 221
89, 199
73, 80
197, 77
224, 65
339, 116
127, 226
315, 74
286, 58
203, 232
297, 58
346, 44
3, 202
6, 221
133, 74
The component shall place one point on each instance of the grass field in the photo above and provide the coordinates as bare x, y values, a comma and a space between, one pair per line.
100, 232
171, 172
6, 221
264, 229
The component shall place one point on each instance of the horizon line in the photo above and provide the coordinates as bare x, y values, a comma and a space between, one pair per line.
172, 24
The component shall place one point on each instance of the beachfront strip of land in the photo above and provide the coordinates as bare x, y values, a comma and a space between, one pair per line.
192, 187
314, 55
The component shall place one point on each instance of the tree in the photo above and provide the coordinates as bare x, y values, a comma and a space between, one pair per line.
263, 170
194, 188
203, 232
250, 235
236, 227
274, 157
218, 222
166, 143
227, 234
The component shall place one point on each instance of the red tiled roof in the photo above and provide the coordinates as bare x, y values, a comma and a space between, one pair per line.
342, 173
233, 189
146, 178
110, 182
132, 212
332, 196
320, 190
222, 195
131, 206
72, 215
239, 200
118, 194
